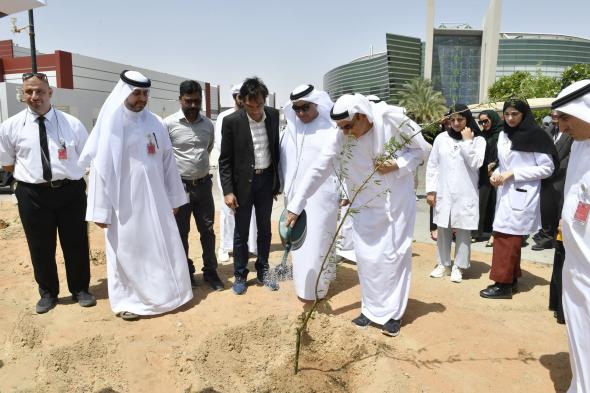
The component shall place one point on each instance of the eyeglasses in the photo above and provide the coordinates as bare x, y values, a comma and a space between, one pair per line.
483, 122
301, 108
39, 75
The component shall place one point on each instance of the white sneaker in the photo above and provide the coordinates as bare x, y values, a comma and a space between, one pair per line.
456, 274
222, 255
440, 271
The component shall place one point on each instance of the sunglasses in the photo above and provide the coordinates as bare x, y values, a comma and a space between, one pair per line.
483, 122
301, 108
39, 75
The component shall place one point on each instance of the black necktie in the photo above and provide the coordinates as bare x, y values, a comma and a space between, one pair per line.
45, 161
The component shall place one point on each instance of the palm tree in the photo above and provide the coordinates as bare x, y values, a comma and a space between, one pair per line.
425, 104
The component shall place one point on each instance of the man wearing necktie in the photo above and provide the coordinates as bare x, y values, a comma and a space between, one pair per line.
40, 145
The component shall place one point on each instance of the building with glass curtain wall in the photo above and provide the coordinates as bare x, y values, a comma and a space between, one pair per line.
548, 53
456, 64
381, 74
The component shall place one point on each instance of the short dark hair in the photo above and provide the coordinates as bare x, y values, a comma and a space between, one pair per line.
190, 87
252, 88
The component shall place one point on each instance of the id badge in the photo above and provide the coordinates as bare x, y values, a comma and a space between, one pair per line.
582, 211
151, 146
62, 153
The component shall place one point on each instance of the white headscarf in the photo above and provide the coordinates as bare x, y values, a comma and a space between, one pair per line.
105, 143
235, 89
318, 97
388, 120
578, 107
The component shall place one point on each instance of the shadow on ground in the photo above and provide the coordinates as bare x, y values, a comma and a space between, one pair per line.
559, 368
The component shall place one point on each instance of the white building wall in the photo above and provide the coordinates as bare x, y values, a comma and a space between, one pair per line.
94, 79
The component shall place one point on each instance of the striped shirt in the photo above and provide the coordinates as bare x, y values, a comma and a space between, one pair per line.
260, 140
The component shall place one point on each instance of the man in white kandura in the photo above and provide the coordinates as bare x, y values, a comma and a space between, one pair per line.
308, 126
226, 215
573, 108
134, 187
384, 223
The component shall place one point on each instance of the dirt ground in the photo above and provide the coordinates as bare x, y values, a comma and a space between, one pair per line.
451, 339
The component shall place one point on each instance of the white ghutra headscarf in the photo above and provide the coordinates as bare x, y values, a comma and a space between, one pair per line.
105, 143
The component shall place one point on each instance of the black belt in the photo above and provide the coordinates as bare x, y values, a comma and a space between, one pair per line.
194, 182
261, 171
50, 184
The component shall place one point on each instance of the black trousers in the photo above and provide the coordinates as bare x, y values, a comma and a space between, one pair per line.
261, 198
551, 204
555, 288
487, 210
202, 207
46, 212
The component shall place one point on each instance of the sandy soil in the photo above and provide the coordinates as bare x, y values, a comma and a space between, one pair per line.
451, 339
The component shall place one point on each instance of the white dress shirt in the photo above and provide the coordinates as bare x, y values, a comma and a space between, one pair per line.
260, 141
19, 145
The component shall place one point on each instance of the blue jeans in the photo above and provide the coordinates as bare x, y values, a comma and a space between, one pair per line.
261, 198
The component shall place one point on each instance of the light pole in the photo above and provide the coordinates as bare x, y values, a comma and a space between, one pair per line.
31, 28
32, 38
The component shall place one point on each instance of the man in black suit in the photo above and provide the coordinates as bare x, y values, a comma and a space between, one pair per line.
248, 169
552, 189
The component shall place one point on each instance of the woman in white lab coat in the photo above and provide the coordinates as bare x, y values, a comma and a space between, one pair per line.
452, 175
526, 154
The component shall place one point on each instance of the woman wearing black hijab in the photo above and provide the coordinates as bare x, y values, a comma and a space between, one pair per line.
491, 125
526, 154
452, 174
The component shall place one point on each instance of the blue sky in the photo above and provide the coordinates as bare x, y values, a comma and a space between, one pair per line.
286, 43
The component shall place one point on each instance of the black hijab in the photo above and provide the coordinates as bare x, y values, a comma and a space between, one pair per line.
491, 136
464, 111
528, 136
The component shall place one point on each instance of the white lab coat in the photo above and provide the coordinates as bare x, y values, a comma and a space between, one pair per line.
576, 268
147, 268
518, 211
453, 172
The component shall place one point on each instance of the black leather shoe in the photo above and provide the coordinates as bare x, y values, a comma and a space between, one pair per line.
214, 281
361, 321
45, 304
514, 286
391, 328
84, 299
497, 291
546, 244
193, 281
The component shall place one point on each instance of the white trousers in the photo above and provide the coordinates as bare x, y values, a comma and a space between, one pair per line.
462, 247
227, 224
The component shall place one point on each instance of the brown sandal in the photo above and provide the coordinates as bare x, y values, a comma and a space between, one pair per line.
128, 316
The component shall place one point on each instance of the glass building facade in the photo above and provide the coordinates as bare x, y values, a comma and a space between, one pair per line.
382, 74
456, 58
366, 75
548, 53
456, 63
404, 62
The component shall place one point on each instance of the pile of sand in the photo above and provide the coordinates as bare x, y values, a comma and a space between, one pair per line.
11, 229
258, 357
87, 365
